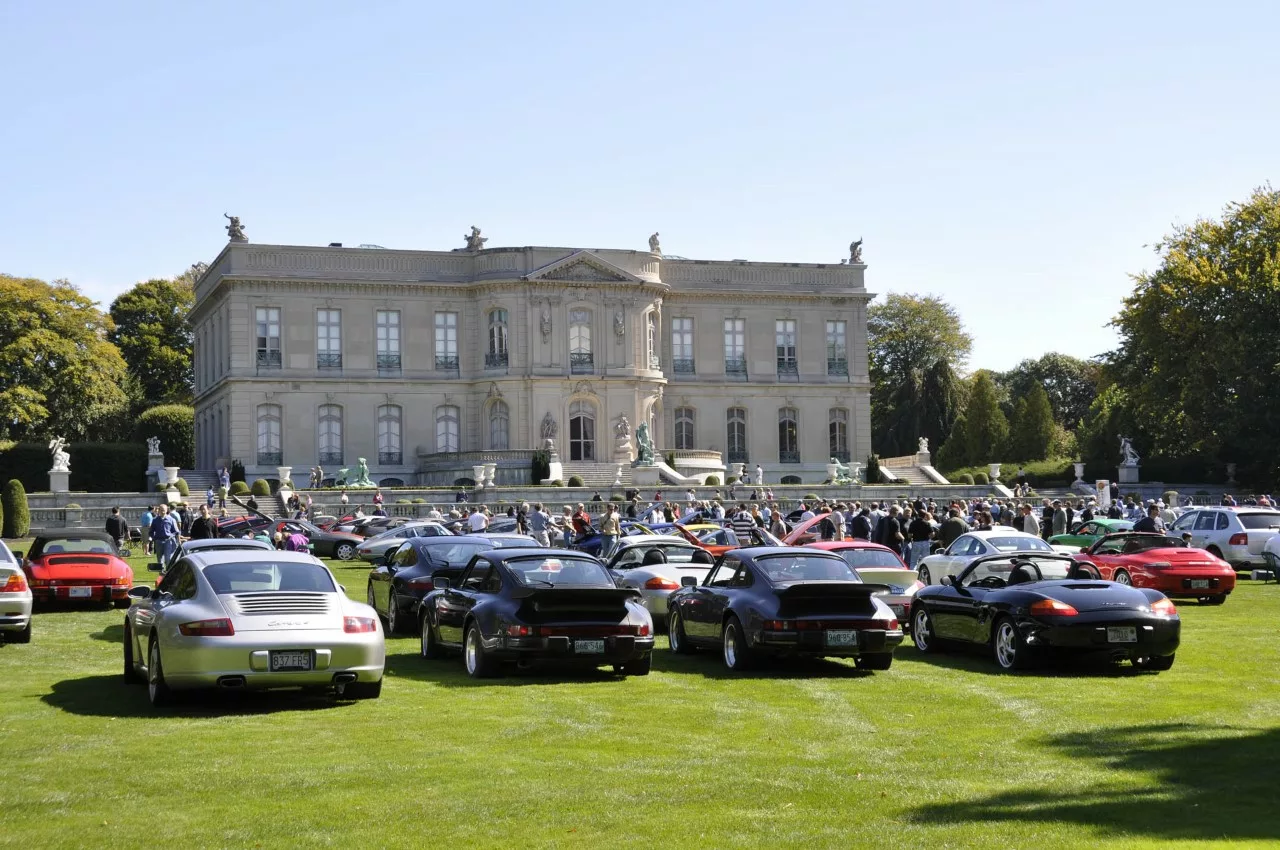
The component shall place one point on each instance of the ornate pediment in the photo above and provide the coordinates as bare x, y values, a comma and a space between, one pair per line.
583, 266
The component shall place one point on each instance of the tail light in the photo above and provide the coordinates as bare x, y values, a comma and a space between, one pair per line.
778, 625
661, 583
40, 582
1240, 539
208, 628
123, 581
519, 631
16, 584
892, 625
1052, 608
643, 631
1164, 608
358, 625
423, 584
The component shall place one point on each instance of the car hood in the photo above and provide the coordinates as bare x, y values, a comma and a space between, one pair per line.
1089, 595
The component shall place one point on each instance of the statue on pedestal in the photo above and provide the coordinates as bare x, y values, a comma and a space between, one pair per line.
843, 475
644, 447
235, 230
61, 459
855, 252
1128, 457
924, 446
475, 241
654, 246
153, 445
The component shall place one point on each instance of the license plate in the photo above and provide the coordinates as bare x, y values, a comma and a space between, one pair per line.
1199, 582
79, 592
1122, 634
588, 647
842, 637
291, 660
899, 610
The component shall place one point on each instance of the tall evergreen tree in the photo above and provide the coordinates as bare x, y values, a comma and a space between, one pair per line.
986, 428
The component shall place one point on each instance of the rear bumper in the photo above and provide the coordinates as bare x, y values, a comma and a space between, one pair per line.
1182, 586
97, 593
202, 662
1155, 636
870, 642
1241, 558
618, 649
15, 611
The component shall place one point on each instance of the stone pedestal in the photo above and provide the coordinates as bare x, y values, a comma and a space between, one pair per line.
155, 468
555, 469
617, 477
58, 481
1128, 475
172, 495
1079, 467
644, 476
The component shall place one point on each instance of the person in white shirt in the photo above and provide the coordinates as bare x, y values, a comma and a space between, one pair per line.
759, 476
432, 513
478, 522
690, 496
808, 513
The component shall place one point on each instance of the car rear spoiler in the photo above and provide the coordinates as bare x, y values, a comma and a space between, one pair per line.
544, 600
830, 590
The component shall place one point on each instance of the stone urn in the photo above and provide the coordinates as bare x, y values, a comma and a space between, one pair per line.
1079, 467
1231, 474
477, 472
490, 473
170, 474
740, 470
832, 471
993, 471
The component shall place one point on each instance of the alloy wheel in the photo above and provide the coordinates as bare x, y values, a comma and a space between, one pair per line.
1123, 577
921, 631
392, 614
1006, 645
471, 651
731, 647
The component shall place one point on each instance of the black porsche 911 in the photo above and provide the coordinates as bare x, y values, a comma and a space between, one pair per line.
783, 600
1029, 607
536, 605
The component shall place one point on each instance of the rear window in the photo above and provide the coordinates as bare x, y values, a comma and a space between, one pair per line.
456, 554
513, 542
672, 553
257, 577
544, 571
869, 558
782, 569
1019, 544
1253, 522
77, 545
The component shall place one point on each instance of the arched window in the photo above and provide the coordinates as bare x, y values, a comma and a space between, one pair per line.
788, 435
389, 445
581, 361
582, 431
448, 428
653, 340
736, 438
499, 426
270, 452
329, 434
684, 428
838, 432
496, 356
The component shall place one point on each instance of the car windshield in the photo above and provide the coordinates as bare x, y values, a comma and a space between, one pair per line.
456, 554
1254, 522
782, 569
987, 572
1142, 544
559, 571
1019, 544
77, 545
513, 542
260, 576
870, 558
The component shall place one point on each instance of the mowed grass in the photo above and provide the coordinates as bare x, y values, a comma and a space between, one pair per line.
937, 752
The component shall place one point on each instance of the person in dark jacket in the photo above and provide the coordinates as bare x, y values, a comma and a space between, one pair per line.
203, 526
862, 525
952, 527
1151, 523
117, 527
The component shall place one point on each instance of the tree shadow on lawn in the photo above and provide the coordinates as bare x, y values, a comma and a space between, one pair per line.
709, 663
979, 660
110, 696
110, 634
1205, 782
447, 671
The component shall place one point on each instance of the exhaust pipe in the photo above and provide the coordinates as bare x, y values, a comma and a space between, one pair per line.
231, 683
341, 680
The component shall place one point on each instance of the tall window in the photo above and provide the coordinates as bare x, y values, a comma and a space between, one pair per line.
496, 356
268, 333
329, 339
735, 348
736, 438
388, 340
270, 452
447, 342
684, 428
580, 359
582, 431
838, 431
447, 429
389, 445
654, 362
837, 356
329, 434
499, 426
788, 435
784, 331
682, 346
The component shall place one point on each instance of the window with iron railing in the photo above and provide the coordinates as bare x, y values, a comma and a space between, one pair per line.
736, 434
388, 364
683, 365
837, 354
330, 458
581, 362
495, 360
788, 435
390, 458
837, 366
446, 363
328, 360
735, 368
785, 342
328, 339
269, 359
788, 370
267, 328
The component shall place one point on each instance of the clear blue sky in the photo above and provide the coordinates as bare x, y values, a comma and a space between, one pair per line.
1013, 158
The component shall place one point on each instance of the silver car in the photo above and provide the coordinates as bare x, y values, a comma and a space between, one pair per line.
15, 599
251, 620
655, 564
374, 548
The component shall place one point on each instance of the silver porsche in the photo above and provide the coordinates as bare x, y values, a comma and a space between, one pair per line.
237, 620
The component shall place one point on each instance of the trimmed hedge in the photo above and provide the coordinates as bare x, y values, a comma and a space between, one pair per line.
981, 478
965, 478
95, 467
712, 481
239, 488
260, 488
17, 515
575, 481
175, 425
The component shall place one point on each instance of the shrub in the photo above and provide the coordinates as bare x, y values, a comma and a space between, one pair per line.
237, 470
981, 478
95, 467
671, 459
872, 473
811, 497
575, 481
419, 501
287, 483
260, 488
72, 506
402, 502
239, 488
732, 479
712, 481
557, 483
161, 486
1170, 497
175, 425
17, 514
966, 478
540, 466
183, 490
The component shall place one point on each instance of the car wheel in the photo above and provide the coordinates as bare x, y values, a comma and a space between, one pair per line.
1122, 577
345, 552
479, 666
1155, 663
393, 614
428, 646
362, 690
1009, 646
879, 661
371, 599
157, 690
1220, 599
924, 575
737, 655
23, 636
1215, 552
639, 667
131, 676
922, 630
676, 637
123, 603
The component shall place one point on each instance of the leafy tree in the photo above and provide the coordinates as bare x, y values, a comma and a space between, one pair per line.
175, 425
59, 374
985, 429
1108, 417
1032, 433
152, 333
1070, 383
1016, 448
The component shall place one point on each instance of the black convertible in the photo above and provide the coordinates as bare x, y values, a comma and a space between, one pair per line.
1026, 607
536, 605
783, 600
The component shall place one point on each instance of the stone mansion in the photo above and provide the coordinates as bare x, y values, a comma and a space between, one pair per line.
427, 362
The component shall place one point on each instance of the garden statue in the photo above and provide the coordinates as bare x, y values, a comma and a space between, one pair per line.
843, 475
544, 322
153, 445
924, 445
549, 427
1128, 457
619, 324
622, 430
654, 247
475, 241
855, 251
362, 475
340, 480
61, 459
644, 447
235, 231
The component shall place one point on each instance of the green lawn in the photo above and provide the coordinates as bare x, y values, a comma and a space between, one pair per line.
938, 752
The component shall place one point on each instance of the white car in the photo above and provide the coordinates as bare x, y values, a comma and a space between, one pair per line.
976, 544
655, 564
15, 599
1236, 535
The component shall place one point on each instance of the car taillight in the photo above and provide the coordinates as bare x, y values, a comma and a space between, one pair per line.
1052, 608
779, 625
660, 583
123, 581
643, 630
1164, 608
1240, 539
357, 625
16, 584
893, 624
208, 628
519, 631
917, 586
424, 583
39, 582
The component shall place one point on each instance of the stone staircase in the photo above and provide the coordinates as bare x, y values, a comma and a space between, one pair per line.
910, 474
598, 476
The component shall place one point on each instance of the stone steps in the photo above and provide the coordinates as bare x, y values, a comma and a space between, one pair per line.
598, 476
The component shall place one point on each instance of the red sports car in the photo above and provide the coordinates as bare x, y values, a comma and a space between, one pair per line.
805, 531
77, 565
1161, 563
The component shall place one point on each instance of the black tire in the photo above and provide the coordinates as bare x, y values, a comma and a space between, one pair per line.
474, 659
23, 636
131, 675
344, 551
157, 689
676, 637
736, 653
362, 690
428, 646
922, 634
879, 661
923, 574
1009, 647
1155, 663
1216, 552
1220, 599
371, 600
639, 667
393, 613
123, 603
1122, 577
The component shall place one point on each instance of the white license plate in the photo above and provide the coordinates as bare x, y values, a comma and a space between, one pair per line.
1199, 582
1122, 634
899, 610
842, 637
79, 592
588, 647
291, 660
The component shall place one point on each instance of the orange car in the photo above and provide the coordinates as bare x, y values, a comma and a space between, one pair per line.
805, 532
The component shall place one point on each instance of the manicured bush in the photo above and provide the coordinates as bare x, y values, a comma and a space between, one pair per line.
1170, 497
183, 490
237, 470
175, 425
966, 478
287, 484
732, 479
981, 478
402, 502
260, 488
712, 481
575, 481
872, 473
540, 466
811, 497
73, 506
239, 488
557, 483
17, 514
419, 501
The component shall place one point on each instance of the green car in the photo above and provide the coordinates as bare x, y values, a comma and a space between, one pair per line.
1087, 533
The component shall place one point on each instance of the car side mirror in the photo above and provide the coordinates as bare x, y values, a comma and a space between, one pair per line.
441, 583
140, 592
946, 580
688, 581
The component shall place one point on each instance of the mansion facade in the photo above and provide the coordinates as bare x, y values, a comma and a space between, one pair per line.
424, 362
